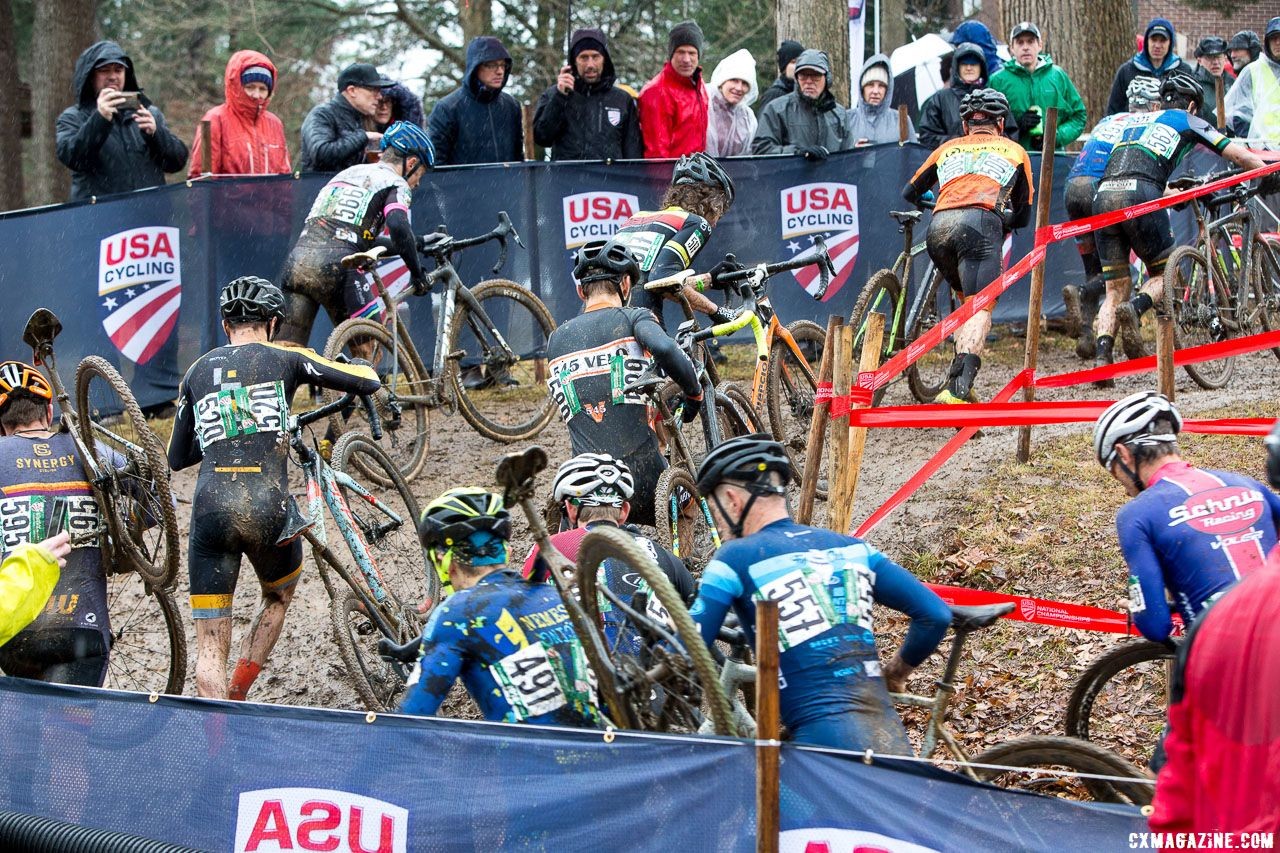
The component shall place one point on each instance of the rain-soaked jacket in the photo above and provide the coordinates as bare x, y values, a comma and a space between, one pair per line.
245, 138
596, 121
476, 124
794, 121
879, 123
27, 578
112, 156
730, 129
673, 114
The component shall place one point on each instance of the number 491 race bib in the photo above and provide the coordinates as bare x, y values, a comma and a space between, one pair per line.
529, 682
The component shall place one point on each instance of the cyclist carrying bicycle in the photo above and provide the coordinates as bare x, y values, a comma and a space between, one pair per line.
41, 473
347, 216
233, 413
1150, 148
594, 490
1189, 530
509, 640
1082, 182
594, 356
984, 192
834, 691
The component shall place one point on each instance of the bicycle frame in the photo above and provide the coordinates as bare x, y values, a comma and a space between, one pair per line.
902, 269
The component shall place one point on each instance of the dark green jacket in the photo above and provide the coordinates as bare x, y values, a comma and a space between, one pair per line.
1046, 86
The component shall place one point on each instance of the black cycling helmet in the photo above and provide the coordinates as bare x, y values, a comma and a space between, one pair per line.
250, 299
699, 168
1211, 46
450, 520
985, 101
1246, 40
745, 460
1272, 443
1180, 86
602, 260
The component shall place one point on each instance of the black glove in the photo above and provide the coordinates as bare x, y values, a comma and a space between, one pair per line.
813, 152
1027, 121
1269, 184
723, 315
421, 286
690, 407
728, 265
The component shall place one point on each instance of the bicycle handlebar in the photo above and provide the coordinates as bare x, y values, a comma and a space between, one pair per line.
821, 258
445, 247
375, 420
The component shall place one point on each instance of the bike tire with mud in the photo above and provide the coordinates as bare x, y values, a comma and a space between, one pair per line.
1264, 280
379, 683
1109, 671
929, 374
1195, 306
692, 541
879, 295
790, 390
1053, 751
139, 658
139, 503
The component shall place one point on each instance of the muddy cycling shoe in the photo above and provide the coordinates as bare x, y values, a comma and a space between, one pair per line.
475, 379
1104, 355
945, 396
1130, 328
1074, 318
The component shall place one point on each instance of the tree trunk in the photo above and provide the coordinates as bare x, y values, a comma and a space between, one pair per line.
823, 24
476, 17
893, 24
1087, 40
10, 117
62, 31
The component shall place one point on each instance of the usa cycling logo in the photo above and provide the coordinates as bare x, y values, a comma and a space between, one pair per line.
595, 216
140, 289
828, 210
275, 819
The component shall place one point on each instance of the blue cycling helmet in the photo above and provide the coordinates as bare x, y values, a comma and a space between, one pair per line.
411, 141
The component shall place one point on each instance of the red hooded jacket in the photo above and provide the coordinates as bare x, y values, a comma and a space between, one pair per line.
1223, 744
246, 138
673, 114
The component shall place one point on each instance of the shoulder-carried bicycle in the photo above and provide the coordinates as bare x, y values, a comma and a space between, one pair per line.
133, 519
489, 353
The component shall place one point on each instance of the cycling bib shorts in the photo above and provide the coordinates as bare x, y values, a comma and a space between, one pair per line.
965, 245
1150, 237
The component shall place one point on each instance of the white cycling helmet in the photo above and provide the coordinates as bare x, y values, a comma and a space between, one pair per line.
1128, 422
594, 479
1143, 91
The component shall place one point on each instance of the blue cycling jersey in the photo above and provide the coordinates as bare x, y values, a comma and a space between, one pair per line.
1194, 532
825, 585
1151, 145
514, 647
1092, 160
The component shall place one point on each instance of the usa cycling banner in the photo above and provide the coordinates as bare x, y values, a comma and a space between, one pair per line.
267, 778
154, 260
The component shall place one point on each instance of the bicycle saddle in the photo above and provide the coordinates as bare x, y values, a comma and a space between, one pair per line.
516, 471
364, 259
905, 216
408, 653
965, 619
42, 327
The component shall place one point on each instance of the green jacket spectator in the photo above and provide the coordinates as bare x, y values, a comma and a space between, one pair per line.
1032, 91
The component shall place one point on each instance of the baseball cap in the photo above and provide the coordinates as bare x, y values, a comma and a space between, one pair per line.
362, 74
1024, 28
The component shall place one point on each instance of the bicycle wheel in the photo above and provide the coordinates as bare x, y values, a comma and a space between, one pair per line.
738, 416
389, 527
928, 375
1264, 283
379, 683
1121, 699
1051, 752
509, 399
1198, 305
148, 644
690, 538
138, 500
406, 434
686, 675
879, 295
791, 387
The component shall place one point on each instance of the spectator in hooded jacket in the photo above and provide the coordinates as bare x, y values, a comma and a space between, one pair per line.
478, 122
1244, 47
940, 115
244, 137
1254, 101
731, 124
108, 146
1156, 59
1033, 85
584, 116
1211, 63
333, 133
808, 121
673, 105
873, 120
788, 52
398, 103
976, 32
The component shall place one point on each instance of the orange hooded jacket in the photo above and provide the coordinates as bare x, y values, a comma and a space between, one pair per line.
246, 138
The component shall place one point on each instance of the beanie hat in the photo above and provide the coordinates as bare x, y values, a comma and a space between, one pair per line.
875, 74
788, 51
684, 33
586, 44
257, 74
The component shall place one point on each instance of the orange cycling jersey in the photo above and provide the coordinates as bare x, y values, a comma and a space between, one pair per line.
978, 170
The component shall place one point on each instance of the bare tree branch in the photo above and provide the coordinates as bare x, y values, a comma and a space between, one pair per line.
415, 26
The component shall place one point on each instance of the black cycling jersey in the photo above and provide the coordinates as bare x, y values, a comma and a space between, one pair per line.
663, 243
965, 244
1153, 144
347, 216
233, 409
592, 359
66, 642
1150, 237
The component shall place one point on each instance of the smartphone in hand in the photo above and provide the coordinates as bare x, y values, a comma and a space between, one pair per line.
131, 101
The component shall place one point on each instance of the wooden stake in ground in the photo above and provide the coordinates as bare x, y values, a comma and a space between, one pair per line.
768, 728
858, 434
1164, 354
818, 427
526, 119
839, 510
1045, 193
1220, 88
904, 123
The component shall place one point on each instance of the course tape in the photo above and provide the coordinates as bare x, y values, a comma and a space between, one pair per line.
1040, 611
1191, 355
1030, 414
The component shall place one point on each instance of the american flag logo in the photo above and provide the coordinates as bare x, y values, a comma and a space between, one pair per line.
827, 210
395, 279
140, 289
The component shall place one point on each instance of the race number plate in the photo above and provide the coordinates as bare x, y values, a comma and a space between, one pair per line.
801, 616
528, 682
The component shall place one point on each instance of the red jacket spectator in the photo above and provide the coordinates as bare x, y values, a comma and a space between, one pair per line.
673, 105
245, 138
1223, 744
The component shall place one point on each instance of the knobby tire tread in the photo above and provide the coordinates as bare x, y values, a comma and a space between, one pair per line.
176, 676
1209, 375
921, 388
779, 398
1079, 755
1093, 680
